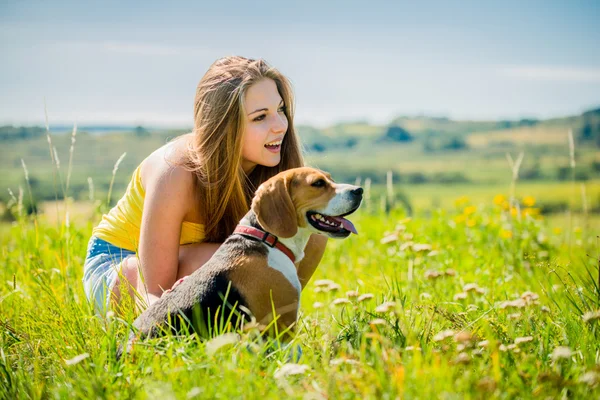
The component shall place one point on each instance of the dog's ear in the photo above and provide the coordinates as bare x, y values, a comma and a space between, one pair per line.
274, 209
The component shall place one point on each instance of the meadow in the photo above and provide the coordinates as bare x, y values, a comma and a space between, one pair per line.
471, 291
469, 301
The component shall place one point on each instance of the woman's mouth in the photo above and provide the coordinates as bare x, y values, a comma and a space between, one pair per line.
274, 147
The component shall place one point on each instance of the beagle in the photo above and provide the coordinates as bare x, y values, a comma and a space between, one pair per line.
254, 273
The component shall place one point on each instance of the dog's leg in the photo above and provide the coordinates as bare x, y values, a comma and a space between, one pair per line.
270, 296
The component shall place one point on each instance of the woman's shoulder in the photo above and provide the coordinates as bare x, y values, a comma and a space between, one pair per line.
167, 166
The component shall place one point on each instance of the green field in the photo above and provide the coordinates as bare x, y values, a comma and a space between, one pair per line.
469, 301
450, 290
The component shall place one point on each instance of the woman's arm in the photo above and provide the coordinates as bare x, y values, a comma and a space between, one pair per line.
315, 248
167, 200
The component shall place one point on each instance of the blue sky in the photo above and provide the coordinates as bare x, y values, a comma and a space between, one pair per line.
139, 62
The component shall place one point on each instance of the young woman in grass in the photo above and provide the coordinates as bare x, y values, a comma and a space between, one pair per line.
187, 197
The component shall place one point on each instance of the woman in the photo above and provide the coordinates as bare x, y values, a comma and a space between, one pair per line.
188, 196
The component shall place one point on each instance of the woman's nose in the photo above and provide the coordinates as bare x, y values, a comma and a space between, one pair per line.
280, 123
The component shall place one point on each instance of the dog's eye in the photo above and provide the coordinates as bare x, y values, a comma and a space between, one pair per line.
318, 183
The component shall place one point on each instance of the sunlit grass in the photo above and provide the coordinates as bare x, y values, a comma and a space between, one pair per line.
471, 300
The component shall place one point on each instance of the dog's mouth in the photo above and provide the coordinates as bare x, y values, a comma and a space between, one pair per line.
335, 225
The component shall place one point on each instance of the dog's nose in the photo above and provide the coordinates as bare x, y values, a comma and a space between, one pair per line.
358, 191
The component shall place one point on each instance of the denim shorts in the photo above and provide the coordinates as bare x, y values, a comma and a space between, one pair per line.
100, 271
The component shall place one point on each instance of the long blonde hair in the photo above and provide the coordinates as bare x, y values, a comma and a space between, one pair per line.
215, 153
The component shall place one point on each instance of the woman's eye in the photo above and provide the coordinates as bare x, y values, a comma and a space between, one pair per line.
282, 109
319, 183
259, 118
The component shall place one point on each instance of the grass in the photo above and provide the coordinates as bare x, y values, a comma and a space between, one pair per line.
465, 301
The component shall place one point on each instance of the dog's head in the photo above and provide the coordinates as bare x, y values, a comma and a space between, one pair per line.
306, 198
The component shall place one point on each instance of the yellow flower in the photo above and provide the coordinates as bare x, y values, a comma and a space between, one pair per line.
471, 223
462, 200
513, 211
505, 234
531, 211
459, 219
557, 231
528, 201
469, 210
499, 199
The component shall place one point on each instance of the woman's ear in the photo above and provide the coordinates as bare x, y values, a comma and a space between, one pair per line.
274, 209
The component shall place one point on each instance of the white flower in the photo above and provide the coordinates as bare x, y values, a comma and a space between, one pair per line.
443, 335
291, 369
561, 352
386, 307
365, 297
525, 339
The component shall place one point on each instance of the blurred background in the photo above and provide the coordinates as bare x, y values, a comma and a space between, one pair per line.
422, 102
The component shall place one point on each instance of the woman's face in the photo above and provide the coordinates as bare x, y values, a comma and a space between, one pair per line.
266, 125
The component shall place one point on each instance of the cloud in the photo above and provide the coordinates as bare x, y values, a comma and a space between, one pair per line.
551, 73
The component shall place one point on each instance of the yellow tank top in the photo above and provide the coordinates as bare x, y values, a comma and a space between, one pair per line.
121, 226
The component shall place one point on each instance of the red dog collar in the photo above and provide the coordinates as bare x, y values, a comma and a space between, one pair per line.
265, 237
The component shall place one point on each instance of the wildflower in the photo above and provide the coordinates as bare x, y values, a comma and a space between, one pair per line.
433, 253
525, 339
528, 201
514, 211
378, 321
561, 352
484, 343
323, 282
352, 294
591, 378
317, 305
386, 307
425, 295
291, 369
443, 335
591, 316
390, 238
412, 348
462, 200
340, 301
557, 231
470, 287
544, 309
334, 287
518, 303
471, 223
450, 272
365, 297
506, 234
432, 274
463, 336
499, 199
530, 297
462, 358
469, 210
514, 316
417, 247
406, 245
460, 296
459, 219
532, 212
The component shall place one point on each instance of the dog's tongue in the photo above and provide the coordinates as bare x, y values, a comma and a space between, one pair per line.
347, 225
